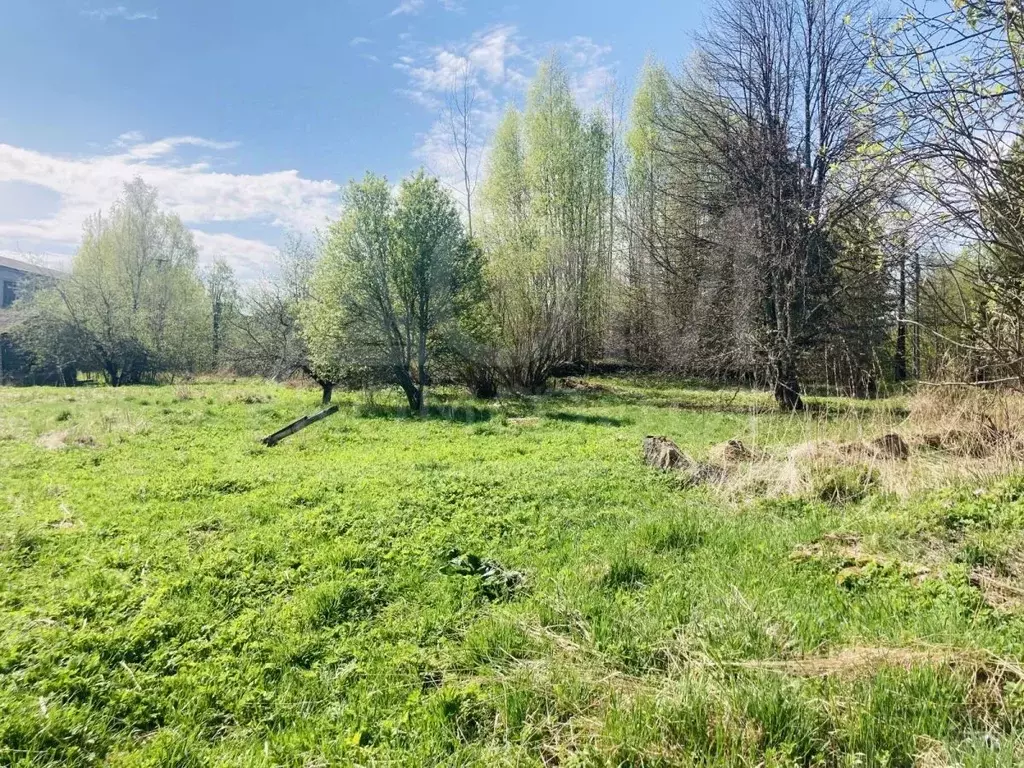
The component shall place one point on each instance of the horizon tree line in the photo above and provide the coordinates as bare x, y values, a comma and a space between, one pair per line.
819, 197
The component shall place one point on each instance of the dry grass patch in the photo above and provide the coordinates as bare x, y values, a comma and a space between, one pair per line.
56, 441
998, 593
524, 421
858, 662
951, 436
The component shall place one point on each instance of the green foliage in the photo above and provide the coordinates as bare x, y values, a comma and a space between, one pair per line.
546, 208
844, 484
133, 305
397, 279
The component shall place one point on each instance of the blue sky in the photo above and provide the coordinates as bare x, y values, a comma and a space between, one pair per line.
249, 115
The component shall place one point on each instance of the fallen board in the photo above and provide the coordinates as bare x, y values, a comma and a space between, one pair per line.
296, 426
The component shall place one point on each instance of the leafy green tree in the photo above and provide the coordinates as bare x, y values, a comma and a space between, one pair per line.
397, 276
222, 292
566, 164
269, 335
546, 225
133, 296
646, 220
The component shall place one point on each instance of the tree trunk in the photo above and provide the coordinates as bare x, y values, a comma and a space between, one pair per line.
412, 392
900, 362
327, 388
422, 373
787, 387
113, 375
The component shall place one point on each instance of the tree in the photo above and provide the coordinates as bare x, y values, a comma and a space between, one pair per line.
270, 327
566, 170
133, 296
460, 106
645, 219
222, 291
396, 277
546, 205
951, 92
771, 123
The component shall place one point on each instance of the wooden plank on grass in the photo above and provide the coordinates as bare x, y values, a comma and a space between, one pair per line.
299, 425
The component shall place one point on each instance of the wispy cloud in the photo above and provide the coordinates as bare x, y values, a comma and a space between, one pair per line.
163, 147
200, 195
499, 62
415, 6
355, 42
407, 6
119, 12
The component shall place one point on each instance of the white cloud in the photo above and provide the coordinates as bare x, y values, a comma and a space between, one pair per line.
415, 6
591, 74
119, 12
408, 6
499, 62
129, 137
249, 259
282, 200
165, 147
355, 42
486, 58
492, 51
46, 259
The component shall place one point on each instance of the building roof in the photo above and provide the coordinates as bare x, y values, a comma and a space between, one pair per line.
27, 268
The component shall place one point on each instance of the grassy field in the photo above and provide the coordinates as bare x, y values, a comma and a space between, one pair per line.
498, 584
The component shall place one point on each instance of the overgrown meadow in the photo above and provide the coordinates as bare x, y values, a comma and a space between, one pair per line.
498, 584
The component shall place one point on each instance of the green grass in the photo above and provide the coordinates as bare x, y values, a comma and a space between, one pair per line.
478, 588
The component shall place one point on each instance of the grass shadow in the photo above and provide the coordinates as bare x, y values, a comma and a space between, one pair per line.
456, 414
582, 418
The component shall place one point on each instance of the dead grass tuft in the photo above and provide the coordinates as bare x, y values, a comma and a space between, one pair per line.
583, 385
56, 441
860, 662
524, 421
951, 436
735, 452
1000, 594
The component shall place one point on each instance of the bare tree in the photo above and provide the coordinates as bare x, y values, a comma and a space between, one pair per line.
268, 329
952, 95
769, 122
460, 105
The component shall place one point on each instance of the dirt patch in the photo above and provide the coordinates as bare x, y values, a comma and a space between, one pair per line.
56, 441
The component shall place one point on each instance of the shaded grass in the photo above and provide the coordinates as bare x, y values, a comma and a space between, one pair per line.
174, 593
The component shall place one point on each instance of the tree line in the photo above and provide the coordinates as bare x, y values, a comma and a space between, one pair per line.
820, 197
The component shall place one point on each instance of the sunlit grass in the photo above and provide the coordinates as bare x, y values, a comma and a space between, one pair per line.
174, 593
